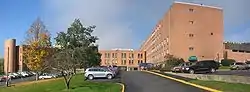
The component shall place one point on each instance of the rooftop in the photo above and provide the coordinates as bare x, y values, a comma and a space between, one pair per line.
198, 4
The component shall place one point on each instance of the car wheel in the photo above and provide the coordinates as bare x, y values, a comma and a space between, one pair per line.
191, 71
212, 70
109, 76
90, 77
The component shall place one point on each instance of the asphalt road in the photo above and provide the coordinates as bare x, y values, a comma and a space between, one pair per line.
136, 81
13, 81
233, 72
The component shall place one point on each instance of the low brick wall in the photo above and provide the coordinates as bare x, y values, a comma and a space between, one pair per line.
223, 78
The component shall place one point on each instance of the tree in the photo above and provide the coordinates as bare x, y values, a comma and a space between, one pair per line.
37, 47
227, 62
76, 50
1, 65
172, 61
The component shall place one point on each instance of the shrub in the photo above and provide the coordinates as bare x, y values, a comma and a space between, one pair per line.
227, 62
172, 62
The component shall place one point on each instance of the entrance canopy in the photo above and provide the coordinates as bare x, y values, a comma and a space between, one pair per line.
192, 59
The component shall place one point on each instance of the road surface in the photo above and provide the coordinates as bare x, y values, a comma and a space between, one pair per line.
136, 81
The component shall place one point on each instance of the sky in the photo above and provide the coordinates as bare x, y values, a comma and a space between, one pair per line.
120, 23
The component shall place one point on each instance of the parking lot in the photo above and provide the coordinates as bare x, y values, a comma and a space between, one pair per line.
13, 81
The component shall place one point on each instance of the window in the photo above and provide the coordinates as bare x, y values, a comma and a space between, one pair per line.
138, 61
108, 55
191, 10
132, 55
235, 50
113, 55
191, 22
211, 33
132, 61
191, 48
124, 55
141, 55
191, 35
138, 55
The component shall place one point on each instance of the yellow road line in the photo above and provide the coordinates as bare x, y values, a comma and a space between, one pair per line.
123, 87
185, 82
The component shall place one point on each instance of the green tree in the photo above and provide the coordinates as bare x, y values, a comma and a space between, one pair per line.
77, 50
37, 46
1, 65
227, 62
172, 61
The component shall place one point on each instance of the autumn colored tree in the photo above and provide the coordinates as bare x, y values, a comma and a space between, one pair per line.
37, 47
77, 49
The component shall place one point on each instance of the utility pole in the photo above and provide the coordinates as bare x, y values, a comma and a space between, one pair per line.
7, 72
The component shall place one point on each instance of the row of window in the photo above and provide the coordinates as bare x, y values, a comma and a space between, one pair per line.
123, 55
131, 62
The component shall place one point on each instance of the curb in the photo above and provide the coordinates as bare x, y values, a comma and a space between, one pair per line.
123, 87
185, 82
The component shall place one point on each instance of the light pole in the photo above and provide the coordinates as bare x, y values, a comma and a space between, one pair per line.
7, 72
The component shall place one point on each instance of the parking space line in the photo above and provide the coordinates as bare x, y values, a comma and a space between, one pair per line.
123, 87
185, 82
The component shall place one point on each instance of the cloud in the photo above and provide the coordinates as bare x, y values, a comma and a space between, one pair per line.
105, 14
124, 23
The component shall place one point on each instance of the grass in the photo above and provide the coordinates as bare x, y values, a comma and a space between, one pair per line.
224, 67
77, 85
223, 86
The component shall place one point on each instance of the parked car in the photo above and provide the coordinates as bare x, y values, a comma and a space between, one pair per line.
92, 73
109, 69
248, 64
204, 66
46, 76
24, 74
181, 67
238, 66
2, 79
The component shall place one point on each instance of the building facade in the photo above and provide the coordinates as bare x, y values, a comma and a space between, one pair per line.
13, 57
10, 63
126, 58
186, 30
240, 52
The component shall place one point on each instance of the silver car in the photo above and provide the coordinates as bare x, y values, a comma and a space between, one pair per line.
238, 66
92, 73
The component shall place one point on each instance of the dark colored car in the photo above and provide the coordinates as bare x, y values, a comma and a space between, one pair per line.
205, 66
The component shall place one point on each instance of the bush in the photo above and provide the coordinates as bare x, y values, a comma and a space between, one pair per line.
172, 62
227, 62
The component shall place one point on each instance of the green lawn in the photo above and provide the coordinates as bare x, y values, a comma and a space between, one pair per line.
77, 85
223, 86
224, 67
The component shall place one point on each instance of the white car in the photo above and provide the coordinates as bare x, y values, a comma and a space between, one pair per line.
46, 76
92, 73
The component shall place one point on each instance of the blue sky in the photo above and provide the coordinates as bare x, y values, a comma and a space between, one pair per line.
120, 23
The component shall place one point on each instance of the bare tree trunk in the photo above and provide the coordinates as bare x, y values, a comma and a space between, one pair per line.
67, 79
37, 75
